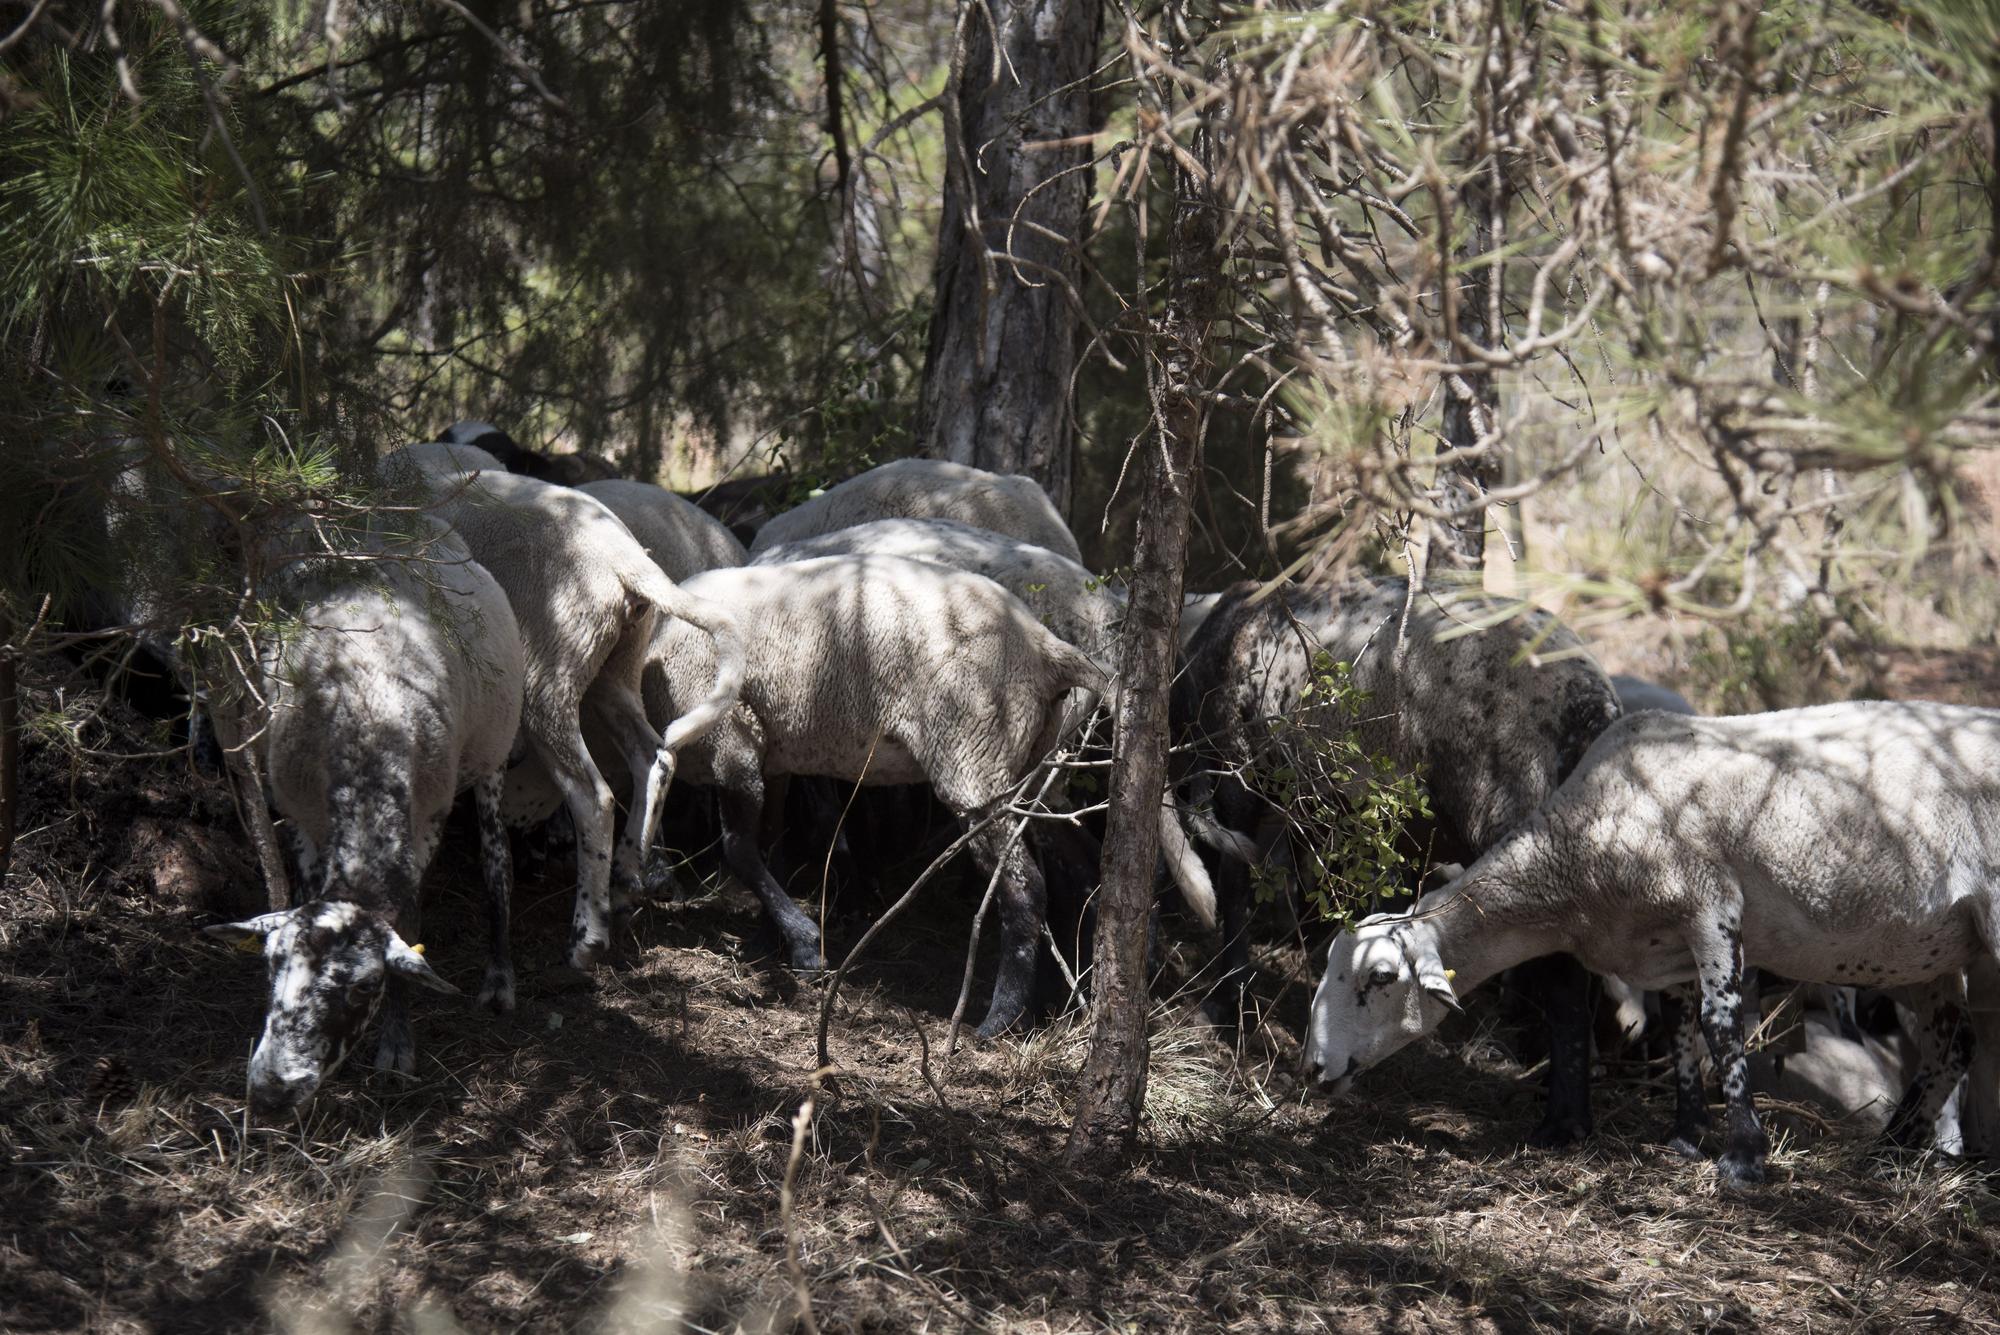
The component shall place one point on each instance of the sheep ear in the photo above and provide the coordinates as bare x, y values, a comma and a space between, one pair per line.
409, 962
248, 935
1435, 980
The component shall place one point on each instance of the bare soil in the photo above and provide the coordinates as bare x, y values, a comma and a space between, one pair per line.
611, 1156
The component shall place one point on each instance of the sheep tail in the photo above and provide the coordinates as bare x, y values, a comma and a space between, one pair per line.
1074, 669
1185, 864
723, 628
1221, 838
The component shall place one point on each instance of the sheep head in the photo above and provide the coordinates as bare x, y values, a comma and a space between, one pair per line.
1384, 987
329, 963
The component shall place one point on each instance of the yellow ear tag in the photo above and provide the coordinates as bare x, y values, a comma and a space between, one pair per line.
1450, 974
418, 948
251, 945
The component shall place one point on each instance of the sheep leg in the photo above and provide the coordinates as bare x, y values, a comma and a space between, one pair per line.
395, 1048
1023, 910
1224, 1006
1718, 953
742, 810
652, 772
496, 860
591, 811
1944, 1048
1235, 810
1563, 987
1681, 1007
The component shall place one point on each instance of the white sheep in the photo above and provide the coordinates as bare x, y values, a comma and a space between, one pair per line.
1075, 604
1489, 705
682, 538
588, 600
1066, 597
1848, 843
399, 687
878, 670
928, 489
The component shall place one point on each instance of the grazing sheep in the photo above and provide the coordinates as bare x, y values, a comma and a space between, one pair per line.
400, 688
1846, 843
1492, 721
682, 538
588, 600
879, 670
928, 489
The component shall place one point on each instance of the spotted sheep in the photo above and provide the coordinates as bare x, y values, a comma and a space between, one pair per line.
400, 687
588, 601
1850, 843
1489, 704
928, 489
878, 670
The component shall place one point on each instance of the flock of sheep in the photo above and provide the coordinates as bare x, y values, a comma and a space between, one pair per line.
548, 646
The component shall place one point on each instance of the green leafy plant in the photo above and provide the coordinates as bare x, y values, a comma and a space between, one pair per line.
1351, 809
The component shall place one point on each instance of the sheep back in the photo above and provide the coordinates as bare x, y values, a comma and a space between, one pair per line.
928, 489
881, 669
1064, 595
1493, 719
681, 537
399, 686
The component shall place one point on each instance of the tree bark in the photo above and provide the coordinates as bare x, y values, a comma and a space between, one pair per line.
1112, 1089
1003, 336
10, 744
1472, 399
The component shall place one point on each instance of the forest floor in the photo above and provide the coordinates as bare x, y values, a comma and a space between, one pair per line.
613, 1153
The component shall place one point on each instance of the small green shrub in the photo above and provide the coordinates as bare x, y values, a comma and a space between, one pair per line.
1351, 810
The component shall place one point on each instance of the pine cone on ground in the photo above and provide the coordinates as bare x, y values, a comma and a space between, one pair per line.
111, 1082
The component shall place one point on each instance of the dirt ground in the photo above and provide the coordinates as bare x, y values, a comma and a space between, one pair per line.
613, 1155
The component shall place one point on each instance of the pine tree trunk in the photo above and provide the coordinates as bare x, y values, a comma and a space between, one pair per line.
1472, 399
1471, 402
10, 745
1113, 1086
1003, 337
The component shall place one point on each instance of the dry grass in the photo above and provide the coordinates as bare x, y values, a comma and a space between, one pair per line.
610, 1157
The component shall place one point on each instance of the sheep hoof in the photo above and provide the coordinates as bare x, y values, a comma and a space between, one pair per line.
1556, 1132
584, 954
1686, 1144
497, 995
807, 959
1740, 1170
997, 1025
396, 1056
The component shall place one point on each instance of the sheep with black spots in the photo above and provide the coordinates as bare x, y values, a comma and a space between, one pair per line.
1489, 704
399, 687
1850, 843
928, 489
588, 600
